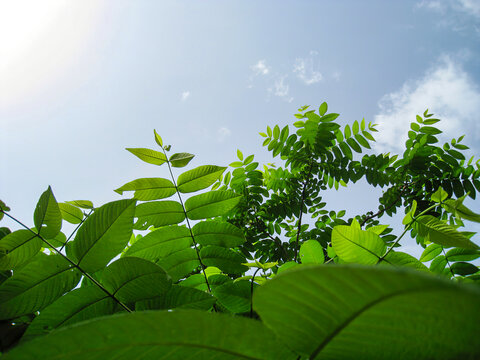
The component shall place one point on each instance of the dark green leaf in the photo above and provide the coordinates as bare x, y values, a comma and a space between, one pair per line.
229, 261
234, 296
180, 263
181, 159
47, 217
218, 233
17, 248
463, 268
178, 297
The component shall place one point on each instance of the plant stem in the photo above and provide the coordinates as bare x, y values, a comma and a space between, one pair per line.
251, 292
84, 273
75, 230
299, 226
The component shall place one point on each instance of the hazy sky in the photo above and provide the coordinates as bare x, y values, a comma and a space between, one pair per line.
82, 80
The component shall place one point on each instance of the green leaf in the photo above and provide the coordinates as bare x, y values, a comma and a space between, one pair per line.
329, 117
218, 233
187, 334
351, 312
229, 261
148, 155
47, 217
323, 109
132, 279
78, 305
459, 254
248, 159
438, 264
103, 235
234, 296
457, 208
158, 213
71, 213
311, 252
430, 130
397, 258
36, 285
211, 204
439, 196
149, 188
178, 297
181, 159
84, 204
240, 154
355, 245
362, 141
199, 178
431, 252
463, 268
354, 145
180, 263
435, 231
17, 248
158, 139
347, 132
160, 243
346, 150
289, 265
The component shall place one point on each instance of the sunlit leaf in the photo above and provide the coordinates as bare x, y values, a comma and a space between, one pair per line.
218, 233
357, 246
148, 155
71, 213
17, 248
199, 178
149, 188
211, 204
311, 252
180, 263
432, 251
158, 213
181, 159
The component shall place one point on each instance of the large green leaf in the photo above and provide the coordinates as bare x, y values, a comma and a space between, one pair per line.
158, 213
459, 254
211, 204
103, 235
311, 252
17, 248
235, 296
160, 243
432, 251
352, 244
199, 178
187, 334
181, 159
178, 297
436, 231
36, 285
71, 213
148, 155
149, 188
78, 305
227, 260
131, 279
457, 208
351, 312
47, 217
180, 263
218, 233
403, 259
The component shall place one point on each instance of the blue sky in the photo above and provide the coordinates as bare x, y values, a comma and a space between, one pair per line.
80, 81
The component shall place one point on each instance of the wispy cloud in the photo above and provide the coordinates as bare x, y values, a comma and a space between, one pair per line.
304, 69
185, 95
461, 16
281, 89
223, 133
260, 68
446, 90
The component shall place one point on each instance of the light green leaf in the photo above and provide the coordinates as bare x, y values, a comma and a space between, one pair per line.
103, 235
199, 178
179, 264
78, 305
179, 335
248, 159
311, 252
47, 217
323, 109
235, 296
84, 204
435, 231
211, 204
149, 188
218, 233
132, 279
36, 285
439, 195
403, 259
357, 246
378, 229
160, 243
351, 312
17, 248
438, 264
148, 155
240, 154
158, 213
431, 252
158, 139
178, 297
181, 159
289, 265
71, 213
227, 260
457, 208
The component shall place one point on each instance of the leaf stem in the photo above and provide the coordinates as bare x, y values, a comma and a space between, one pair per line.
299, 224
251, 292
84, 273
75, 230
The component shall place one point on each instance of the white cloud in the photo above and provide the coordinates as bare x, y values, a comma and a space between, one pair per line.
260, 68
281, 89
469, 7
446, 90
305, 72
336, 75
223, 133
185, 95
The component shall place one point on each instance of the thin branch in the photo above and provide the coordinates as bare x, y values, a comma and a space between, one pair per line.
75, 230
299, 224
84, 273
448, 263
251, 292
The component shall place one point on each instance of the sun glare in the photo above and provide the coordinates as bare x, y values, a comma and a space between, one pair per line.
39, 40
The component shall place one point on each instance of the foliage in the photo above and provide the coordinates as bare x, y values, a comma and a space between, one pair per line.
249, 263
